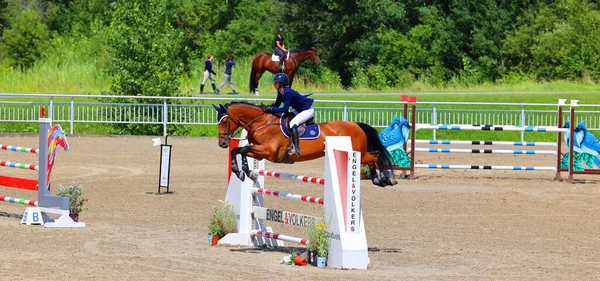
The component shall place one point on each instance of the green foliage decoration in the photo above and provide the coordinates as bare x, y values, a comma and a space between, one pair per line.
579, 158
400, 158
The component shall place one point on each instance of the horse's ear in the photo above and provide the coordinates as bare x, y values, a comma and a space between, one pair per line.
224, 109
217, 109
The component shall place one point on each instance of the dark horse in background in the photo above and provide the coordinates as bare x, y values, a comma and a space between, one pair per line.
263, 62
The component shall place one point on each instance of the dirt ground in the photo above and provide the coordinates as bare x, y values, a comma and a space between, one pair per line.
446, 225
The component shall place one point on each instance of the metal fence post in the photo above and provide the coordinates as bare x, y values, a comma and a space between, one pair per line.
345, 112
522, 122
165, 117
50, 111
434, 119
72, 114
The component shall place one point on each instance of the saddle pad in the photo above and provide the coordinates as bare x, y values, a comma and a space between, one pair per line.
312, 131
275, 57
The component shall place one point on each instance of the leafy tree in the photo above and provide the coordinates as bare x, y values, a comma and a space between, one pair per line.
557, 41
80, 17
24, 41
144, 49
250, 31
345, 30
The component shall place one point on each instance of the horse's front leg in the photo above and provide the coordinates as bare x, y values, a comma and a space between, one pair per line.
234, 165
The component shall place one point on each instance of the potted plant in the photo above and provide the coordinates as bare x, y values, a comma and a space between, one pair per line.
74, 192
222, 221
317, 235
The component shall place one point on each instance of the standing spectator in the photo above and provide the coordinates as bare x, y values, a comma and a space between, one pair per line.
208, 74
229, 63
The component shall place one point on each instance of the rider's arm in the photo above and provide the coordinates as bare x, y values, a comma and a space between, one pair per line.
286, 105
278, 100
209, 67
280, 45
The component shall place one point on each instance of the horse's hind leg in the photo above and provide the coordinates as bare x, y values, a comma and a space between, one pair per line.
387, 176
374, 175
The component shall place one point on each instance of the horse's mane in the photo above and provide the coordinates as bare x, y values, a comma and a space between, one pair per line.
299, 50
245, 103
239, 102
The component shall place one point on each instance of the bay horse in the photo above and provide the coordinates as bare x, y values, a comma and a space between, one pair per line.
266, 141
262, 62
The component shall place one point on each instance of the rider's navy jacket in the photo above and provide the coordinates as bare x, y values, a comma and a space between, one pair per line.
293, 99
208, 66
228, 65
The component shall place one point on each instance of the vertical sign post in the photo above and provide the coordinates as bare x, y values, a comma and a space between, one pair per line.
165, 166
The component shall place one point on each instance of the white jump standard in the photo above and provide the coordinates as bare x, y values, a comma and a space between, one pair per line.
341, 201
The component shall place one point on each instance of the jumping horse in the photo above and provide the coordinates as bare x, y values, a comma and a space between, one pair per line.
267, 141
263, 62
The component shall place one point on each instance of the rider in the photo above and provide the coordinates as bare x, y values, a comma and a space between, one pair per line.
208, 74
301, 104
280, 49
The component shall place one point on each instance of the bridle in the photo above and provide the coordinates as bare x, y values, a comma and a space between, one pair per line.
228, 135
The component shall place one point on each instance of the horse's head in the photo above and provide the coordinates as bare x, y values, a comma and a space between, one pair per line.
56, 137
226, 126
314, 57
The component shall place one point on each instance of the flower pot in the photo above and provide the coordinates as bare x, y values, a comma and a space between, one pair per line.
215, 240
300, 260
312, 258
74, 216
210, 239
321, 261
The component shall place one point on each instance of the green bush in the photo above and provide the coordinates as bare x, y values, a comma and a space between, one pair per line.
24, 42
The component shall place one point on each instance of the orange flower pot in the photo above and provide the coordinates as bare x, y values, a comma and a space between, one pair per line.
215, 240
300, 260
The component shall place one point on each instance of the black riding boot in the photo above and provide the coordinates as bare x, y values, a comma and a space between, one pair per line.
281, 67
296, 151
215, 89
202, 89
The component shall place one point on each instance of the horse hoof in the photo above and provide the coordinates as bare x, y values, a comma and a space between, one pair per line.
391, 181
294, 153
378, 182
241, 176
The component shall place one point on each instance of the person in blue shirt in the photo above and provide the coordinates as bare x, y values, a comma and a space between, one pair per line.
229, 63
301, 104
280, 49
208, 74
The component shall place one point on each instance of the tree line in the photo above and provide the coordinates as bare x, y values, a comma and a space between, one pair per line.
148, 44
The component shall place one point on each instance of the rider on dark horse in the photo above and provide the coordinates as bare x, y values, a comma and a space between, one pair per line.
280, 49
301, 104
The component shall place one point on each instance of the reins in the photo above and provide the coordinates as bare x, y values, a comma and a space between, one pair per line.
229, 135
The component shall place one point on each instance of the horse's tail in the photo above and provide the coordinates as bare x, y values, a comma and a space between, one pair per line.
252, 80
384, 159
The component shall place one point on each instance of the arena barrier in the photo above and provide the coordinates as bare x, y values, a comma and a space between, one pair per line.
341, 202
47, 204
451, 127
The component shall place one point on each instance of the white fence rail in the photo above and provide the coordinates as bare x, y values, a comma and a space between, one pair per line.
199, 111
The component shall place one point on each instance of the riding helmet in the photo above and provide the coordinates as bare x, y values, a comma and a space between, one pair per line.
280, 29
282, 79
